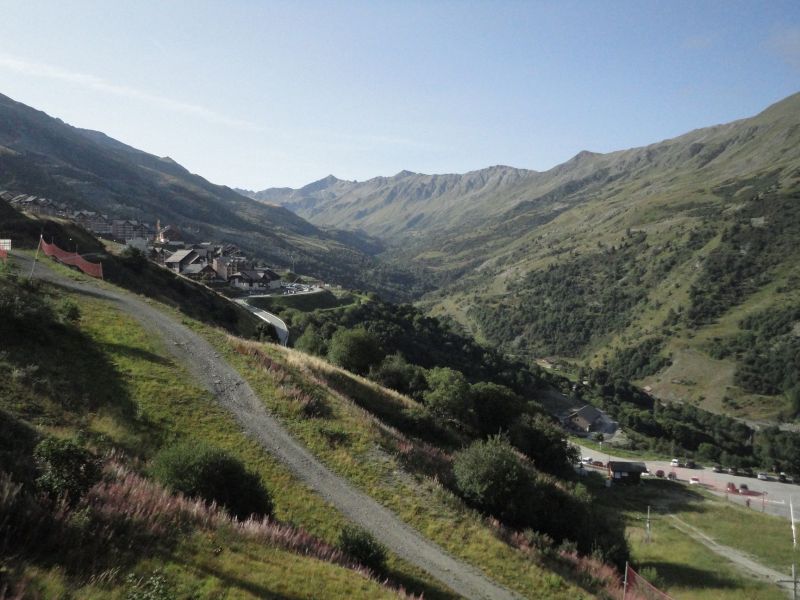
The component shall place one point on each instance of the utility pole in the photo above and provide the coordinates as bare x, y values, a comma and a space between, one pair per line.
625, 582
36, 257
794, 550
647, 528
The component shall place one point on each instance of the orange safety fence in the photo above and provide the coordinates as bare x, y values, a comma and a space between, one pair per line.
638, 588
72, 258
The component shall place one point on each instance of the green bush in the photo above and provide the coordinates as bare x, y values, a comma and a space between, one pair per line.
355, 350
363, 547
397, 374
496, 407
65, 468
199, 470
490, 476
449, 394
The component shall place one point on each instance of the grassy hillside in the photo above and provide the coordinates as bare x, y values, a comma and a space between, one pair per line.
674, 243
43, 156
128, 535
666, 242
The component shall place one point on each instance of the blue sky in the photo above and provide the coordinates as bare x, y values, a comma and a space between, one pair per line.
261, 94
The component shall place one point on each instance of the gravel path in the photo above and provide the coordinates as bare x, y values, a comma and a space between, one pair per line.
236, 395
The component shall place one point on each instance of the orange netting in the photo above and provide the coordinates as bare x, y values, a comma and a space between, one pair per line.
72, 258
638, 588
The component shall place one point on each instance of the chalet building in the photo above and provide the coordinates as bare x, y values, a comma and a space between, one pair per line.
224, 266
38, 206
625, 472
271, 278
586, 419
182, 259
126, 229
92, 221
200, 271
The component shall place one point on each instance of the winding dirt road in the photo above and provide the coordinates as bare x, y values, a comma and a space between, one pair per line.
236, 395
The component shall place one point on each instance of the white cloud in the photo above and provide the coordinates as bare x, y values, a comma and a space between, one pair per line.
37, 69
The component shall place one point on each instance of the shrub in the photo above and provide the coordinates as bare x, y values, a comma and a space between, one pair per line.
155, 587
355, 350
265, 332
363, 547
65, 469
197, 469
449, 394
397, 374
311, 342
496, 407
69, 310
490, 476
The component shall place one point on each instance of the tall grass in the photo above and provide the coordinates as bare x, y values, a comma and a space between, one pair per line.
126, 511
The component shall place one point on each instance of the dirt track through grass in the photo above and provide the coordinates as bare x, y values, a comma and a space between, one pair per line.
236, 395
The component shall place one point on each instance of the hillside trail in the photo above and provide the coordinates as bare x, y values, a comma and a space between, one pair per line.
740, 559
235, 394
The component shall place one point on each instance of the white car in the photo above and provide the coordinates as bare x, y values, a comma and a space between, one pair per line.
763, 476
694, 481
587, 460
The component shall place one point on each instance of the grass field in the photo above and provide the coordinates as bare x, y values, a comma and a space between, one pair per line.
685, 568
303, 302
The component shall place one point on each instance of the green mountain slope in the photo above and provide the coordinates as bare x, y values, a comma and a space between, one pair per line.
676, 242
43, 156
672, 244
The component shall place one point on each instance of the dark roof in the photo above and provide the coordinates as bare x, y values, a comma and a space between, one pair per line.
195, 268
626, 467
269, 274
179, 256
590, 413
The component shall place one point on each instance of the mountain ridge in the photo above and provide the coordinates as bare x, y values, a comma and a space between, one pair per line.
87, 169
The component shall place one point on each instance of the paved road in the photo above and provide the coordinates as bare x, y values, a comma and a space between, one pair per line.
280, 327
773, 497
236, 395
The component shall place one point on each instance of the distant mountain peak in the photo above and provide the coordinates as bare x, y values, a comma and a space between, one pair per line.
320, 184
404, 173
583, 155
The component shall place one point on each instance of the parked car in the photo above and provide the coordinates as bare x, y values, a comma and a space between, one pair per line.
762, 476
731, 487
746, 472
690, 464
659, 473
717, 468
587, 460
694, 481
782, 477
598, 463
675, 463
744, 488
733, 471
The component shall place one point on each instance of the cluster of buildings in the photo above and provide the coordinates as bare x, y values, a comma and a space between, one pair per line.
34, 204
221, 265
